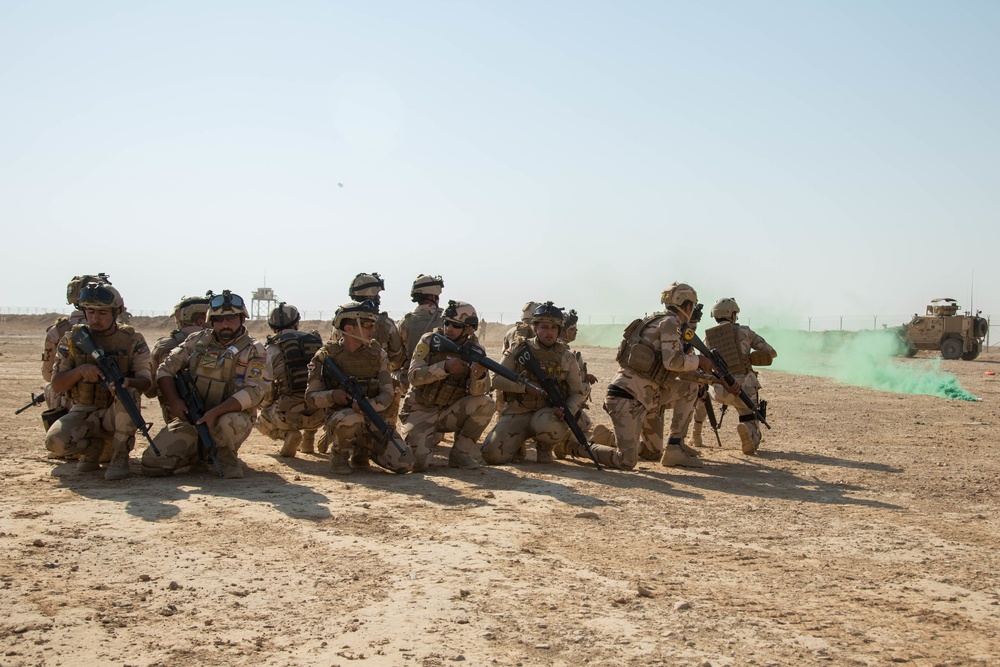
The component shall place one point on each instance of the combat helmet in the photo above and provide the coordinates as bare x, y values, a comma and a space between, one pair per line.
528, 311
101, 295
431, 285
284, 316
463, 313
227, 302
188, 309
366, 286
725, 308
547, 312
79, 282
677, 294
355, 310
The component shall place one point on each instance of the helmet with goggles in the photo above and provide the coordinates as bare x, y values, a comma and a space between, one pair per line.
463, 313
225, 304
547, 312
355, 310
101, 295
79, 282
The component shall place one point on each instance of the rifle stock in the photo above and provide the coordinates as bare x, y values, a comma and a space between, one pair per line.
471, 353
207, 449
113, 378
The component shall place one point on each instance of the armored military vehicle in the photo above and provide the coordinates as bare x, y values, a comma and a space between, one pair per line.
942, 328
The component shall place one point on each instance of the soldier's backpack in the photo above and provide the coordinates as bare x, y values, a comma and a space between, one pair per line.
298, 349
635, 354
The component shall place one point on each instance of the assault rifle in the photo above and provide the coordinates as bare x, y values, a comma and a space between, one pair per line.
474, 354
695, 319
554, 397
113, 380
207, 449
721, 371
383, 432
35, 400
707, 400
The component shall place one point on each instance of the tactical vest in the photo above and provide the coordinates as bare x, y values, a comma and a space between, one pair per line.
550, 360
419, 322
517, 334
363, 365
725, 339
117, 346
638, 355
216, 368
443, 392
297, 348
61, 326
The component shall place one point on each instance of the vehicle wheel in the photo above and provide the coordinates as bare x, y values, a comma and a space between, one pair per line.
910, 351
951, 348
982, 328
973, 353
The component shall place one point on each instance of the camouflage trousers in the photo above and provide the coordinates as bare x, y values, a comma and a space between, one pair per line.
84, 428
511, 431
638, 427
288, 414
467, 418
750, 385
349, 432
569, 445
178, 444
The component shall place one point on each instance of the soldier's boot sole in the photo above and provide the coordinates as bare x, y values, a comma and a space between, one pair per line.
292, 440
340, 464
118, 468
322, 446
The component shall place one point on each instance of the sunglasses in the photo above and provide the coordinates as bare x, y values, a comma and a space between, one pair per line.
219, 300
454, 325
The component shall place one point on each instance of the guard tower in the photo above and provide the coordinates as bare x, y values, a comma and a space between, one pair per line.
262, 303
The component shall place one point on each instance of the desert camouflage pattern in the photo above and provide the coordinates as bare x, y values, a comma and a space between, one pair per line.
749, 430
161, 349
52, 337
86, 429
517, 423
249, 383
423, 422
517, 334
287, 412
639, 421
347, 431
422, 319
178, 445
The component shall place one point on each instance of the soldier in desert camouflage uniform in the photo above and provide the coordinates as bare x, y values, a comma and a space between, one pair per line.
427, 316
189, 316
750, 350
650, 360
232, 375
521, 330
55, 333
525, 413
96, 415
349, 430
447, 394
599, 434
284, 414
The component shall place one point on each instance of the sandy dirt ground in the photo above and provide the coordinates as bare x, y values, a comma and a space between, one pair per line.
865, 533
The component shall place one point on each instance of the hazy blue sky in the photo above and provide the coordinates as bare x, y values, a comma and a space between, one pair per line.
808, 158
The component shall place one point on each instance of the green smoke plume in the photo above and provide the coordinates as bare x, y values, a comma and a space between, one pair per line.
863, 359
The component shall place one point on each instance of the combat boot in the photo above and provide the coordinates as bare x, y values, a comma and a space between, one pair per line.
674, 455
118, 468
292, 440
420, 462
89, 460
459, 459
232, 472
647, 453
361, 460
340, 463
543, 453
696, 434
307, 446
322, 445
749, 434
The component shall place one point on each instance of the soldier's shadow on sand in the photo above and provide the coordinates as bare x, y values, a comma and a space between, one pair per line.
753, 477
832, 461
155, 499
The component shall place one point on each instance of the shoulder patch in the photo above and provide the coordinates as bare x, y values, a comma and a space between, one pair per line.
256, 369
421, 350
141, 347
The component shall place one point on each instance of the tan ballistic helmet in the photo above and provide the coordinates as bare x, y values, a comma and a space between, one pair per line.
529, 311
227, 302
463, 313
725, 308
427, 285
365, 286
79, 282
101, 295
188, 309
676, 294
354, 310
283, 316
547, 312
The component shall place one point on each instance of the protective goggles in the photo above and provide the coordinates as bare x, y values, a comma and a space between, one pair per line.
228, 299
548, 310
97, 293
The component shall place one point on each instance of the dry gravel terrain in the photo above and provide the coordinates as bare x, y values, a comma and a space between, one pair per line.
865, 533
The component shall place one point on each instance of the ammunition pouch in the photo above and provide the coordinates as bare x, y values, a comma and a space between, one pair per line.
50, 417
